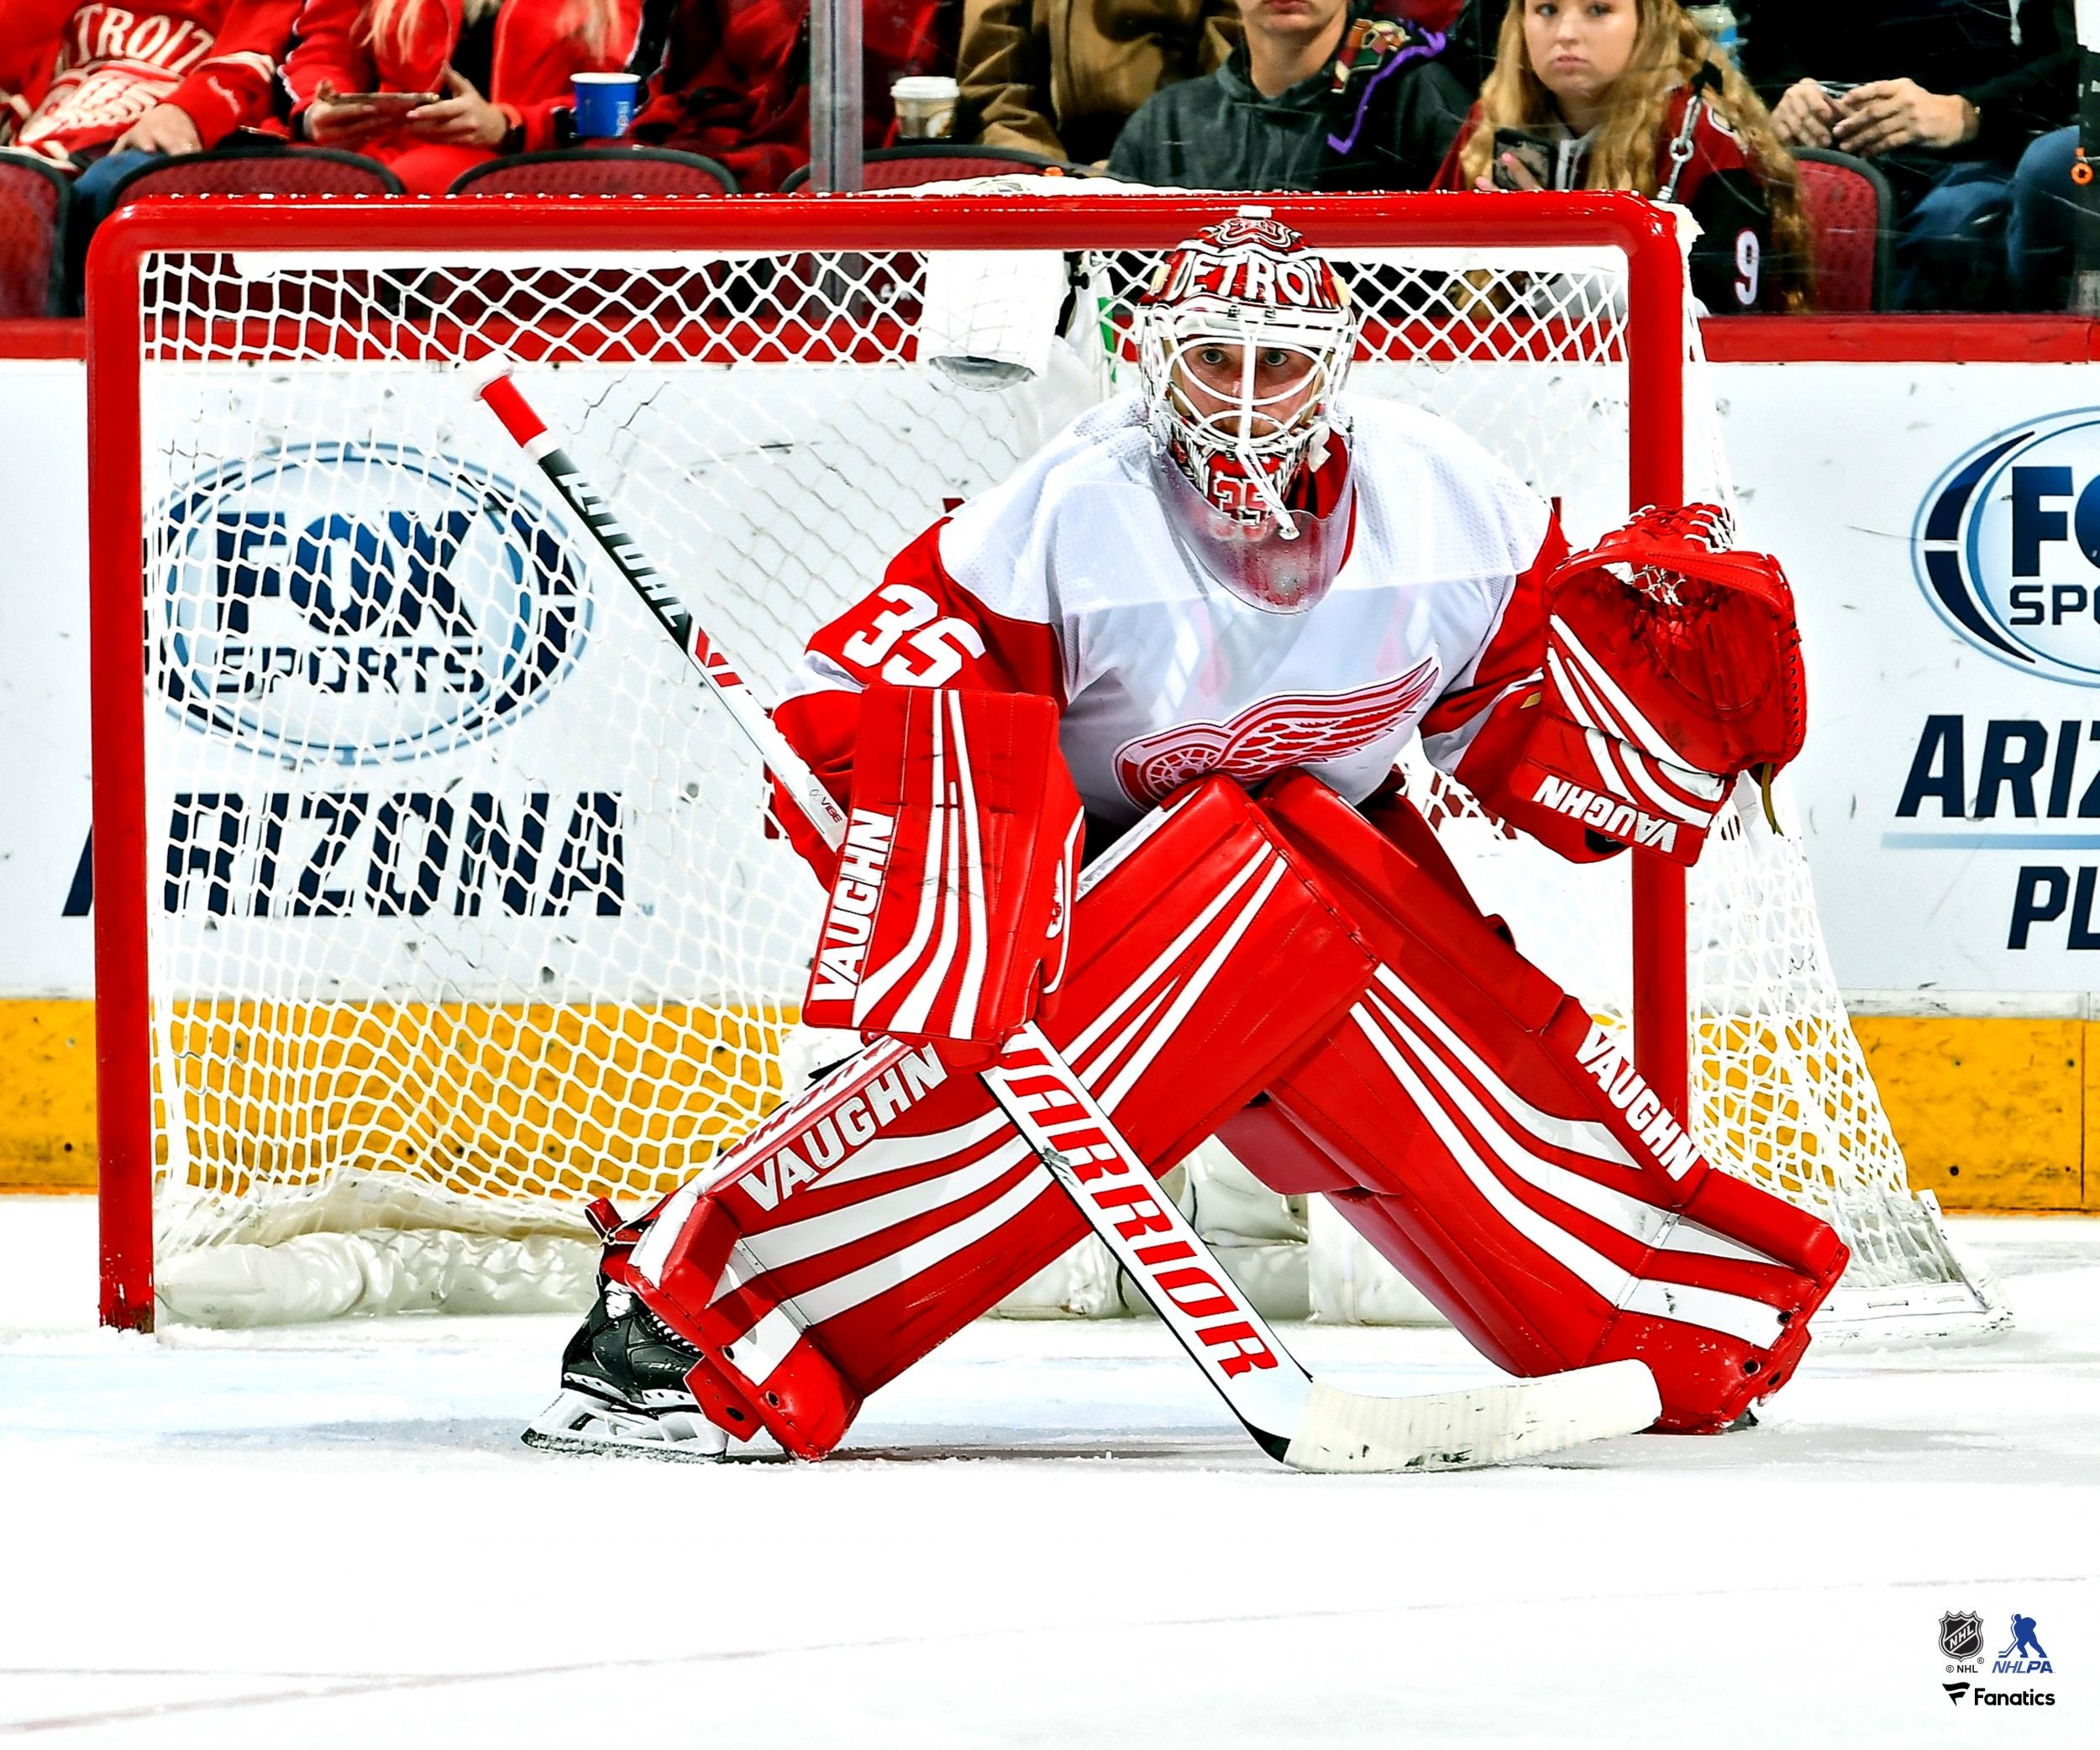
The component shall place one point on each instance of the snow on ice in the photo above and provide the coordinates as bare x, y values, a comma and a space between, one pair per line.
1047, 1535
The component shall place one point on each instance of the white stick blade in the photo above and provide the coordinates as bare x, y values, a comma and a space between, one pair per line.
1465, 1430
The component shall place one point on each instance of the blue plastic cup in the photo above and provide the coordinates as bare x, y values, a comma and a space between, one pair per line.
604, 104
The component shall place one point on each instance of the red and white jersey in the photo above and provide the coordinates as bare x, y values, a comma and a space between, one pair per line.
1071, 580
75, 74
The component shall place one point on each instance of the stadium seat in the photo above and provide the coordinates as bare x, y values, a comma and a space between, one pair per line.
1850, 214
34, 198
936, 161
599, 170
295, 170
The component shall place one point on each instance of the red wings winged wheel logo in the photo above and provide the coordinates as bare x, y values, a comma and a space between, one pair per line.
1273, 735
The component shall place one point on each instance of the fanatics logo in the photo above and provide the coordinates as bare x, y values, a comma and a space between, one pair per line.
1274, 735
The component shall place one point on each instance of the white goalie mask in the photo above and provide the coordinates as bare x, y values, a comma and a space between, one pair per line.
1244, 336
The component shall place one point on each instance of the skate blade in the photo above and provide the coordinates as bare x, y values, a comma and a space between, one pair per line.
576, 1423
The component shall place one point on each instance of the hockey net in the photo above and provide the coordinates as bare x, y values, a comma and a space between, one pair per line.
435, 899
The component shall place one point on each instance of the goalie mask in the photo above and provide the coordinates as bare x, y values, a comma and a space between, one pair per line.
1245, 337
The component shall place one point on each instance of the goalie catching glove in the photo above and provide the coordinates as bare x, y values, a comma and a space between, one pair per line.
947, 914
1673, 665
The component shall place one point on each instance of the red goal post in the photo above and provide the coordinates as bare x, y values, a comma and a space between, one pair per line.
243, 286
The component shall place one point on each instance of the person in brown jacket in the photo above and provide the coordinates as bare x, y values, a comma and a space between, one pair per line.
1062, 77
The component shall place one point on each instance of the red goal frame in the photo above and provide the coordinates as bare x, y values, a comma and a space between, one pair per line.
1656, 340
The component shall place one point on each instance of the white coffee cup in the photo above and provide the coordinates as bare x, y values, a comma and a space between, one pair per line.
925, 106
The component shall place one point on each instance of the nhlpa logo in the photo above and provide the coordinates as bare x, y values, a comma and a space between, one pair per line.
360, 603
2025, 1657
1961, 1635
2006, 547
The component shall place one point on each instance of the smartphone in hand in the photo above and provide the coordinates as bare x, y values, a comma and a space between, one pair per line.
385, 103
1534, 151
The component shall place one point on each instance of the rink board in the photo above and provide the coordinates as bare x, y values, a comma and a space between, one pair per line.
1982, 1051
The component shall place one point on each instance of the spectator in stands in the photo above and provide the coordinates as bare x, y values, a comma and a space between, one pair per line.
498, 72
1470, 36
2041, 227
1942, 97
1319, 94
1632, 94
102, 90
733, 82
81, 82
1062, 77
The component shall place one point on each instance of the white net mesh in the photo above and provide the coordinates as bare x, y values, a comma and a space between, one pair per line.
460, 910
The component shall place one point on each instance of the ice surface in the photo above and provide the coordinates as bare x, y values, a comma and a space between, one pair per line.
1047, 1535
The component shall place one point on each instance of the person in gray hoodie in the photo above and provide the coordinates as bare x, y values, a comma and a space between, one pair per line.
1319, 94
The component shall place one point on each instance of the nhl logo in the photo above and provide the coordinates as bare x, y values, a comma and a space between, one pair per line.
1961, 1634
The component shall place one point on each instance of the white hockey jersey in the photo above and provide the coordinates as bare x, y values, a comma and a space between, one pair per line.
1069, 580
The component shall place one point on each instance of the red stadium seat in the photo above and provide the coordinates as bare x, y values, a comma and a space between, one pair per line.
1850, 213
936, 161
294, 172
297, 171
33, 197
598, 171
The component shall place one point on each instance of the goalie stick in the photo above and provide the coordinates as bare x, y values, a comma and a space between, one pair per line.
1294, 1417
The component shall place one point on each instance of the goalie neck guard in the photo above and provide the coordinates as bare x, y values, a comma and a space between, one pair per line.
1245, 337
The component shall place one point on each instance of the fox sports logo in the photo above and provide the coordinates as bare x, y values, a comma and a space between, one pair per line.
360, 603
2007, 547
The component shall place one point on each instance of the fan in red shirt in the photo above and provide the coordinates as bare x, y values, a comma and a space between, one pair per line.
525, 52
102, 90
157, 75
735, 82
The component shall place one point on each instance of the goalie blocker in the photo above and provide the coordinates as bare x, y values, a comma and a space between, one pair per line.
1458, 1106
950, 896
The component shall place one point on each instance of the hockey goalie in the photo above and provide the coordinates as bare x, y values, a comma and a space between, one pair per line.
1182, 649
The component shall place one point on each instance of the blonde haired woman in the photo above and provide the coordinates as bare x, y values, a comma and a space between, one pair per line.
497, 71
1631, 94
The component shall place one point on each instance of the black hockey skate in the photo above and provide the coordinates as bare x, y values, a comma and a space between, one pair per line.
623, 1386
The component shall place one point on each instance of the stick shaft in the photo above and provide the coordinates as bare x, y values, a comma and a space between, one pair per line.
531, 435
1210, 1315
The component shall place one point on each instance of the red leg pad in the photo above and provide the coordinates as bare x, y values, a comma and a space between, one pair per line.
870, 1219
1499, 1150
